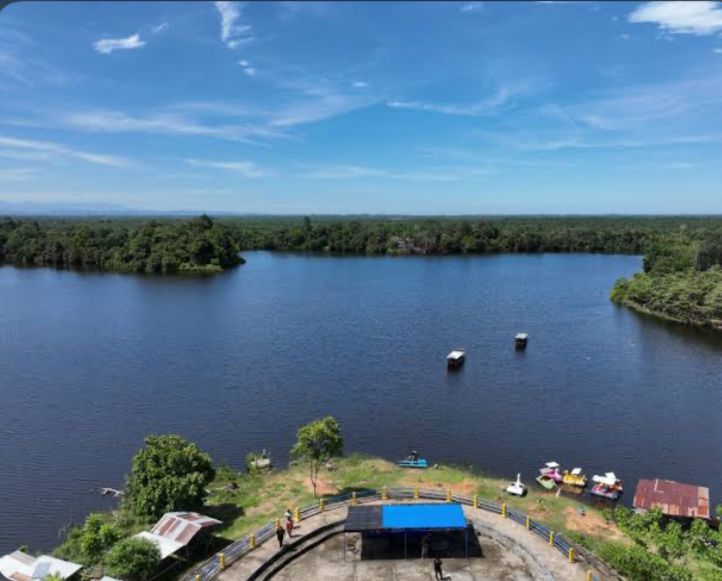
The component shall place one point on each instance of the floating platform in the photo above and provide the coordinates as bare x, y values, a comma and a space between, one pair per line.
455, 359
520, 340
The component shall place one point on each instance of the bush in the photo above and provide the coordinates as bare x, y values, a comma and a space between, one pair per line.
132, 559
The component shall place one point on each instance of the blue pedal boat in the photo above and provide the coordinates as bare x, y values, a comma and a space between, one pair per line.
413, 461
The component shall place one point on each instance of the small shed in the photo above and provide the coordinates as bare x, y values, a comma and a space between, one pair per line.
19, 566
175, 530
674, 499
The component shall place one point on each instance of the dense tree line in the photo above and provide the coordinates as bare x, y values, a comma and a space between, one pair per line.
152, 246
681, 281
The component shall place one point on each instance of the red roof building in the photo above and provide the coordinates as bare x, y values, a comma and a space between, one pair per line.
672, 498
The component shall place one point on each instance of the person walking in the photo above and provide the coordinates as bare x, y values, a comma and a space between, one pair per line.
425, 543
279, 535
438, 572
289, 527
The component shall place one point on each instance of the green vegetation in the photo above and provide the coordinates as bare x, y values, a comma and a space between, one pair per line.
155, 246
316, 444
133, 559
88, 544
682, 281
663, 549
169, 474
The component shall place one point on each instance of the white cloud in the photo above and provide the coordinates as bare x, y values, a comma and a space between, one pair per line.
108, 45
699, 18
247, 68
162, 27
472, 6
359, 84
352, 172
500, 98
233, 34
248, 169
17, 174
717, 50
51, 148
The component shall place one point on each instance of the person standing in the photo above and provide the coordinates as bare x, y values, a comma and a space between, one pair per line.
279, 535
289, 527
438, 572
425, 542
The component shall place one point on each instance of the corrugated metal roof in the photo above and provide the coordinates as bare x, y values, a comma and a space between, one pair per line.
20, 566
176, 529
673, 498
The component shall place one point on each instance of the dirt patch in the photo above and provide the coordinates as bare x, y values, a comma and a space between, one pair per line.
593, 525
324, 485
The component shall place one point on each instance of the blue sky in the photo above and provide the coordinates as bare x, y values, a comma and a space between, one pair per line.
415, 108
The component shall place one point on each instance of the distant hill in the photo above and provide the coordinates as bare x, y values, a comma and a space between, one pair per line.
69, 209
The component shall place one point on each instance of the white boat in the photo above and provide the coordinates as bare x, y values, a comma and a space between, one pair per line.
516, 488
455, 359
607, 486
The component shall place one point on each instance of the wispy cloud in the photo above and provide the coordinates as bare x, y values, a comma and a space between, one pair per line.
17, 174
247, 68
57, 149
19, 65
502, 97
169, 122
233, 33
472, 6
159, 28
717, 50
699, 18
109, 45
359, 84
247, 169
353, 172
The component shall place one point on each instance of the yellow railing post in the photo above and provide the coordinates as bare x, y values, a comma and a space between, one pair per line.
503, 509
198, 577
252, 540
590, 576
416, 492
297, 515
476, 501
354, 502
448, 495
571, 554
384, 494
278, 523
551, 537
221, 561
321, 505
528, 522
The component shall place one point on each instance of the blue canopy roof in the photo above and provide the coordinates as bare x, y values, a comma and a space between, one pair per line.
422, 516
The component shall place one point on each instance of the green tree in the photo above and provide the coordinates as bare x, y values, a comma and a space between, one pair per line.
87, 544
316, 443
132, 559
169, 474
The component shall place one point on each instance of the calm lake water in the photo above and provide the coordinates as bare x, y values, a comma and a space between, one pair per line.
91, 363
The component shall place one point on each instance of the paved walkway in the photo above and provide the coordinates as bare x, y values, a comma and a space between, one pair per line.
510, 553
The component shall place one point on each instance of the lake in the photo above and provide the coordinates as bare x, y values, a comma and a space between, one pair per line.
91, 363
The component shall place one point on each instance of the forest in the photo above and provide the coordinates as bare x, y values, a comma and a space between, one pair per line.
681, 281
151, 246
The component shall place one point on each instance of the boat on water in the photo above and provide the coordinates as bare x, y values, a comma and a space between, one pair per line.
517, 488
413, 461
455, 359
551, 470
546, 482
607, 486
574, 478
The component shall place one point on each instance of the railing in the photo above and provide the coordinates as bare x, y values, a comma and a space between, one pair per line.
211, 568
